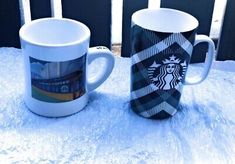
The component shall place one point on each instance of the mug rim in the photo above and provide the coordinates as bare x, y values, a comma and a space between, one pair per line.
135, 20
80, 40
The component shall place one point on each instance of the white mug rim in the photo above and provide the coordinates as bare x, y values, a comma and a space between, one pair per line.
136, 20
80, 40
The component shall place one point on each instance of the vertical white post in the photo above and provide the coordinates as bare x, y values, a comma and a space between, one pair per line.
116, 35
56, 12
154, 4
25, 11
56, 8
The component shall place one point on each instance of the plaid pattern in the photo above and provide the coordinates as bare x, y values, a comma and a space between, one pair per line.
153, 48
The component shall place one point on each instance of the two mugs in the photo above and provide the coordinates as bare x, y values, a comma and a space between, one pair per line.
57, 57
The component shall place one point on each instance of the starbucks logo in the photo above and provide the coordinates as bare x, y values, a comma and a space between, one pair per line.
167, 75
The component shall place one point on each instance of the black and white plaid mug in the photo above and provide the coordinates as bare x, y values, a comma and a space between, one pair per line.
162, 44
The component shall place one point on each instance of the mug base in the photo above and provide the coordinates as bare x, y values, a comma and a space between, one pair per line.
56, 109
159, 116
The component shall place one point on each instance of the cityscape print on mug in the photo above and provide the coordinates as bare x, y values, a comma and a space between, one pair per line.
56, 82
159, 64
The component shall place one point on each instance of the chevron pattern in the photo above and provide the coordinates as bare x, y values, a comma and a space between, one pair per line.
159, 64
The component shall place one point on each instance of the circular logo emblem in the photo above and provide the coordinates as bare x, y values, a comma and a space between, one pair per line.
169, 74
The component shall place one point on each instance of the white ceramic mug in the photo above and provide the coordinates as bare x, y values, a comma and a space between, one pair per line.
56, 53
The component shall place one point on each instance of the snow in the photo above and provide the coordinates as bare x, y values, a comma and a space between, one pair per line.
107, 131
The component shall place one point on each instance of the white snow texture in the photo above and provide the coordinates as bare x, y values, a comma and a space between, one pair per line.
108, 131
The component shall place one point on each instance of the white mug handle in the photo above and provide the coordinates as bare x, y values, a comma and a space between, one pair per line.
208, 61
93, 54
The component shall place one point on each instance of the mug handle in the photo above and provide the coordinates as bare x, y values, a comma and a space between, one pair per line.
93, 54
208, 61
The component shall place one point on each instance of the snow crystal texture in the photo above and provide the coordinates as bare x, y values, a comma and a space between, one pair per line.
107, 131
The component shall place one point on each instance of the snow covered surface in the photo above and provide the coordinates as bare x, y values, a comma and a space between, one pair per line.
107, 131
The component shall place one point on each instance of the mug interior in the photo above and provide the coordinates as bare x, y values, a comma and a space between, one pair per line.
165, 20
54, 32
